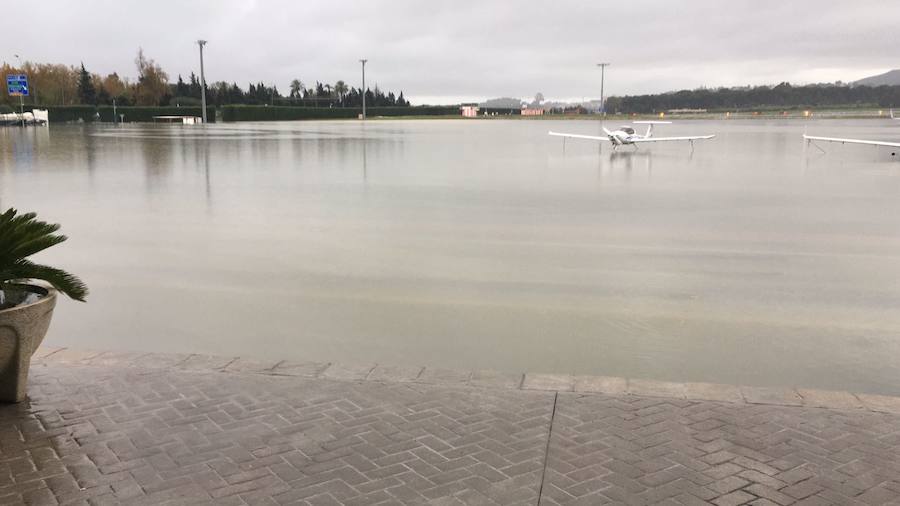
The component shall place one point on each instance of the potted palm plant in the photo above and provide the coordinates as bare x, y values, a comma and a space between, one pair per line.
27, 296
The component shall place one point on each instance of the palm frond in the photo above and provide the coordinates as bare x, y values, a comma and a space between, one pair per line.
61, 280
23, 235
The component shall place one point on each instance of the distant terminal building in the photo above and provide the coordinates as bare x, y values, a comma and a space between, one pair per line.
532, 111
469, 110
686, 111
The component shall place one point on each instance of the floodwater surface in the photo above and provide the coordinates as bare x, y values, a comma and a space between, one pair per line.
480, 244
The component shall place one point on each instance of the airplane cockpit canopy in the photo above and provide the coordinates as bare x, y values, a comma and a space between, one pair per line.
628, 130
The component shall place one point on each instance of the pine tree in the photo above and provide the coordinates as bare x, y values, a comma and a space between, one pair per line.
86, 91
236, 95
181, 89
194, 87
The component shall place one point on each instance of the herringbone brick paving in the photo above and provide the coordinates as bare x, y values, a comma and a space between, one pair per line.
132, 435
107, 435
634, 450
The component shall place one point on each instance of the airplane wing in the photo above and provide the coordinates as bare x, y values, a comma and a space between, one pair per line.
579, 136
852, 141
666, 139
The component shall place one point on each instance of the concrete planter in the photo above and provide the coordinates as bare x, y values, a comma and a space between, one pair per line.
22, 329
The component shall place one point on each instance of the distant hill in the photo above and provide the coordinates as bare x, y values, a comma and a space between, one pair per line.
780, 97
890, 78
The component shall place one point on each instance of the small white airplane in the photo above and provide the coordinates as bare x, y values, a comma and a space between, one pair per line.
626, 135
810, 138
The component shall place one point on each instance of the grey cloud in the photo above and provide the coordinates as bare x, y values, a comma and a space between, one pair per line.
474, 48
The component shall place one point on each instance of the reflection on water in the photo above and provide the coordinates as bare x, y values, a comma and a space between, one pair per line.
627, 163
480, 244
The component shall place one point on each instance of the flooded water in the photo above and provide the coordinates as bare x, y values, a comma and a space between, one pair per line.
480, 244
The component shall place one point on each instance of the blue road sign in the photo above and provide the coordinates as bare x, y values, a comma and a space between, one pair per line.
17, 85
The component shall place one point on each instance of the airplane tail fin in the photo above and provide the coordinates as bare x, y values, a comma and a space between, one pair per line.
650, 126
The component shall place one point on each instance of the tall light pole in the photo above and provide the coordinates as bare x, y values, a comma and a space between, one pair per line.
363, 61
202, 43
602, 79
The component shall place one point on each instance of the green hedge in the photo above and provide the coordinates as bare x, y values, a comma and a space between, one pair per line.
285, 113
263, 113
146, 114
450, 110
66, 113
88, 113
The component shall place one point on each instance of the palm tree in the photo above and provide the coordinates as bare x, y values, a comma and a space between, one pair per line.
341, 89
22, 235
296, 88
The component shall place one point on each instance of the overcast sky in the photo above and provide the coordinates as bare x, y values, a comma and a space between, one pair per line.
449, 50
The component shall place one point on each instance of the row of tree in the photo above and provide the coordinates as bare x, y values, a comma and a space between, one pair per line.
783, 95
320, 95
55, 84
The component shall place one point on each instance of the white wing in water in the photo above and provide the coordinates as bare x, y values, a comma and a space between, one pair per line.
665, 139
635, 139
852, 141
579, 136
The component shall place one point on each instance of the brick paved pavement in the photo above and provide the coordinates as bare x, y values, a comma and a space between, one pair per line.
642, 450
169, 429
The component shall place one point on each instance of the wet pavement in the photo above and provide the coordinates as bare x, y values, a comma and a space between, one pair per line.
114, 428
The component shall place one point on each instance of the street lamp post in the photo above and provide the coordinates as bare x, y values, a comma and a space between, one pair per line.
202, 43
363, 61
602, 79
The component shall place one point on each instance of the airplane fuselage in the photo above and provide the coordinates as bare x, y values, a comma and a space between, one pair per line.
624, 135
620, 138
